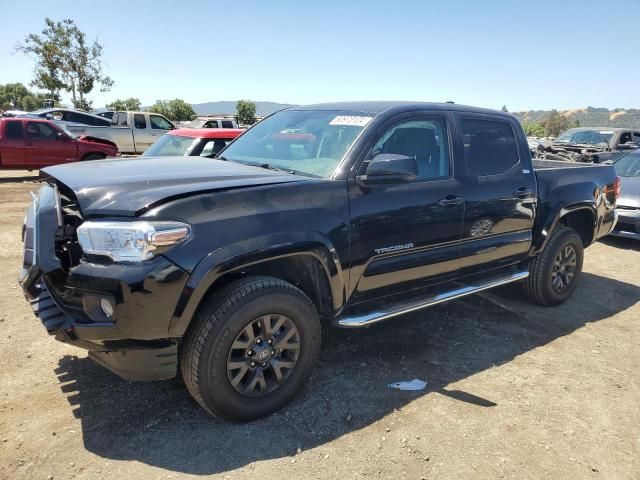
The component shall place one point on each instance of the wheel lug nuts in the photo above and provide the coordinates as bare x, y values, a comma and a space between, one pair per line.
253, 364
259, 341
270, 341
250, 352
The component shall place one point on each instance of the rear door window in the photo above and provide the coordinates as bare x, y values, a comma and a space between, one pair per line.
211, 124
490, 147
227, 124
159, 123
139, 121
13, 130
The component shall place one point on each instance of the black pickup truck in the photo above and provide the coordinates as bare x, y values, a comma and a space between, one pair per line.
346, 213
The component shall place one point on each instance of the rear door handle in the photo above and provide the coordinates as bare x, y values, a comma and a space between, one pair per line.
450, 201
522, 192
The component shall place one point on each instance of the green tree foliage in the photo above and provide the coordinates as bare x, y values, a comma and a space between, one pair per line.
66, 61
15, 96
129, 105
504, 108
555, 124
533, 129
245, 112
177, 110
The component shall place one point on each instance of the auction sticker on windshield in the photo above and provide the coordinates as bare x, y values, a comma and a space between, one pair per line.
350, 120
606, 132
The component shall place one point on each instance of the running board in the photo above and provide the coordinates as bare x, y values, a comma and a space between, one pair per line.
366, 319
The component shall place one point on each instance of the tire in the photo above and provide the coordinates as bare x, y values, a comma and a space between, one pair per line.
94, 156
542, 286
222, 322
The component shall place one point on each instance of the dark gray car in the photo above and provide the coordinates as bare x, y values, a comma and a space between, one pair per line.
628, 207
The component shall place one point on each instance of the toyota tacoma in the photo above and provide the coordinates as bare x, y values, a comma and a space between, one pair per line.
341, 214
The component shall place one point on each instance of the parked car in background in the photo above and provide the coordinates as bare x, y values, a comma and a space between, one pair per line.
105, 113
197, 142
628, 208
349, 213
133, 132
213, 123
33, 143
13, 113
590, 145
71, 116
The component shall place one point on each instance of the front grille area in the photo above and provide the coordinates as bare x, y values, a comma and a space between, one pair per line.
67, 247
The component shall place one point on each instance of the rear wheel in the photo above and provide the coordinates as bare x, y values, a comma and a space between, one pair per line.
252, 348
555, 272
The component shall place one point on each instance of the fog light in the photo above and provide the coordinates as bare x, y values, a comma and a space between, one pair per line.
107, 307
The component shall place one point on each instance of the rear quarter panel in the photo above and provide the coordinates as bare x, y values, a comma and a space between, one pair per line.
564, 187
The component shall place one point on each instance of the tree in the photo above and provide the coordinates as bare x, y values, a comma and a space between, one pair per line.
177, 110
131, 104
65, 61
533, 129
15, 96
504, 108
555, 124
245, 112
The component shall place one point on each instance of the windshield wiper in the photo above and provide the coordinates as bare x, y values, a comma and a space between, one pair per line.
270, 166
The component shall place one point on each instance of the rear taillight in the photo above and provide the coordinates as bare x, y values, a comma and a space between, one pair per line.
617, 186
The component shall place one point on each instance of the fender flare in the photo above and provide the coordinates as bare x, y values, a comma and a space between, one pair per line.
251, 252
554, 217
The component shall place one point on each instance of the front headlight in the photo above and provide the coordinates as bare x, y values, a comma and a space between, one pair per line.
129, 241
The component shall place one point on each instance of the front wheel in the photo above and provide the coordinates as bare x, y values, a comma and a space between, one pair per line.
253, 346
555, 272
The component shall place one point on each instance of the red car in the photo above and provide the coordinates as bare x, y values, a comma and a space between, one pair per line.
33, 143
192, 142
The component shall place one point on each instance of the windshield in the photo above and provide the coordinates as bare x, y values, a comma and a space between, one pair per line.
63, 126
629, 165
590, 137
307, 141
171, 146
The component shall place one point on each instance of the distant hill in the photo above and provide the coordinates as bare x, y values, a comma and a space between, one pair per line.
588, 117
229, 108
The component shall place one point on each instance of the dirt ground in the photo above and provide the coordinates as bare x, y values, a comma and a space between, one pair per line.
514, 391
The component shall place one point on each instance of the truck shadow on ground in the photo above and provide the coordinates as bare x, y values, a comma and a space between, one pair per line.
160, 425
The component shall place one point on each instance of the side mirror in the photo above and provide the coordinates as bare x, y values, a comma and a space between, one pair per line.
389, 168
628, 146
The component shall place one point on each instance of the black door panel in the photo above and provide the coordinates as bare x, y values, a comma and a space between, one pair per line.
409, 231
500, 194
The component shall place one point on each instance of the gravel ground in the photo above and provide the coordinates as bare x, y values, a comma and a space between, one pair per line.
514, 391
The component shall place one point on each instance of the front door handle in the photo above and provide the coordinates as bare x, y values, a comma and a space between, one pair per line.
523, 192
451, 201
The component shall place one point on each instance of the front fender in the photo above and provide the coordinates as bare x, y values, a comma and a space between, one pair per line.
250, 252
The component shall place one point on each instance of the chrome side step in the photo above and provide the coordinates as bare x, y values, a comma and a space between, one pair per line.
366, 319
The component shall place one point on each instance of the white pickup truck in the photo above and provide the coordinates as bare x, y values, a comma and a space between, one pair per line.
132, 132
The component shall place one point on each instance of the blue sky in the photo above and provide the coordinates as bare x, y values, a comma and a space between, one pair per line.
527, 55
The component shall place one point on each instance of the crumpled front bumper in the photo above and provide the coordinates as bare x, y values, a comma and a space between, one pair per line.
133, 342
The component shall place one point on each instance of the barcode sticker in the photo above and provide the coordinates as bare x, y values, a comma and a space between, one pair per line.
350, 120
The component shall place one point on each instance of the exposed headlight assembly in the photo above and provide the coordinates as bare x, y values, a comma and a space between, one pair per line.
129, 241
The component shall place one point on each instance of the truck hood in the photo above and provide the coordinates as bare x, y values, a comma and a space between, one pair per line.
629, 192
88, 139
117, 187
